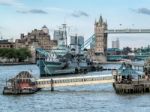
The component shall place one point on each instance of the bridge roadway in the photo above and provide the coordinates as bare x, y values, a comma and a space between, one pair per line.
128, 30
115, 31
73, 81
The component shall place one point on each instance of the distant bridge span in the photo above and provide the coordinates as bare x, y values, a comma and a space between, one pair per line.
119, 31
91, 40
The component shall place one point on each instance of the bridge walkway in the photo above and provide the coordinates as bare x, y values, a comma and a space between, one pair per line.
73, 81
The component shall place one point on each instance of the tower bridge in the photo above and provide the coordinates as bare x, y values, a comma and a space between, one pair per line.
98, 40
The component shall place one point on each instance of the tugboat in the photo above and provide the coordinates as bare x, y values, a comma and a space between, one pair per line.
23, 83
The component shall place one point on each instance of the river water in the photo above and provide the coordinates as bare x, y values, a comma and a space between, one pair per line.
93, 98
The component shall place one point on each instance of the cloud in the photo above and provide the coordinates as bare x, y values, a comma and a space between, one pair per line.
14, 3
145, 11
78, 14
6, 2
37, 11
32, 11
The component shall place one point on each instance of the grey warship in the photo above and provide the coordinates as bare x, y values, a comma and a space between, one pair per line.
63, 59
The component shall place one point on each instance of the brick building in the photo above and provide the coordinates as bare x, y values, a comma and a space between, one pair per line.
6, 44
41, 37
36, 39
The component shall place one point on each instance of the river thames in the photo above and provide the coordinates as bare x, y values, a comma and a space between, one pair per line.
92, 98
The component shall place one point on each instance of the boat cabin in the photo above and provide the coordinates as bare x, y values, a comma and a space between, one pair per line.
23, 80
125, 74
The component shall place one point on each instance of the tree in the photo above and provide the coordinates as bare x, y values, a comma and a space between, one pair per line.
12, 53
23, 54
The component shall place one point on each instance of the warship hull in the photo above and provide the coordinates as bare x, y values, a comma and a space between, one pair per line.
54, 68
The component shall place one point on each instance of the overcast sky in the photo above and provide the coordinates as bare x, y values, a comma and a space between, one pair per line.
21, 16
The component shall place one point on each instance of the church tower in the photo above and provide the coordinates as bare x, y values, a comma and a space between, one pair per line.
100, 40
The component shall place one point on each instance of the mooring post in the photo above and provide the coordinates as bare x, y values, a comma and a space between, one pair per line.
138, 79
52, 85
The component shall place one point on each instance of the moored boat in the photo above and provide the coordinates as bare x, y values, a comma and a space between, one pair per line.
23, 83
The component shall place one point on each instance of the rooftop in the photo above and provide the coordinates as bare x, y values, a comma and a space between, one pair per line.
5, 42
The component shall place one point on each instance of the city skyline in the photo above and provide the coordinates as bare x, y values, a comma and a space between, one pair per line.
22, 16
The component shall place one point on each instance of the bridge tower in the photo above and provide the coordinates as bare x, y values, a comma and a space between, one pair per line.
100, 49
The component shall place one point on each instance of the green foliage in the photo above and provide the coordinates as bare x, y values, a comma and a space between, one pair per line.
20, 54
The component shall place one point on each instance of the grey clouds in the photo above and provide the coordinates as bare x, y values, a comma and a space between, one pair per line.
78, 14
33, 11
145, 11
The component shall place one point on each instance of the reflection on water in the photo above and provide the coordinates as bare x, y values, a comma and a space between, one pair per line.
93, 98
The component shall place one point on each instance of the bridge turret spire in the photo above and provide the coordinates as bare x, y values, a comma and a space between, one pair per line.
95, 22
100, 19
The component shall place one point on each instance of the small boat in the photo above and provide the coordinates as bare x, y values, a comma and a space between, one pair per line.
23, 83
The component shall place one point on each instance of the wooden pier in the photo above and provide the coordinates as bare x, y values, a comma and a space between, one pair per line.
128, 80
73, 81
141, 86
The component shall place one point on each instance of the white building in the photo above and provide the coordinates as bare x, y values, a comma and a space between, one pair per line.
116, 44
58, 35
